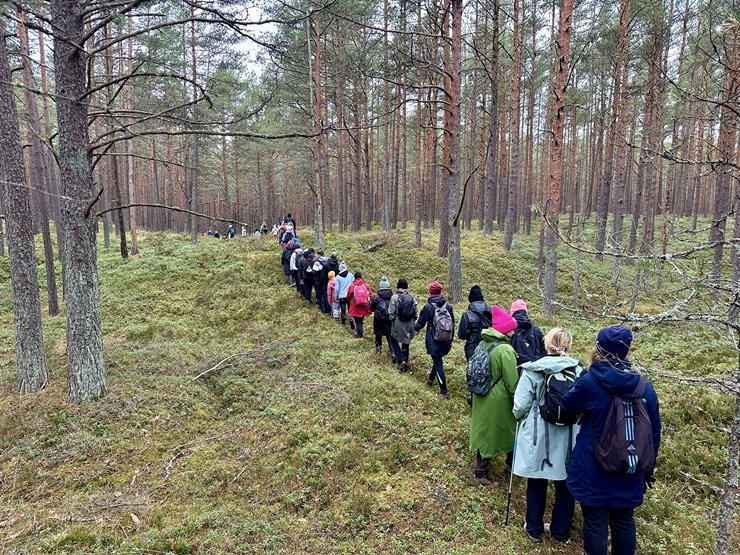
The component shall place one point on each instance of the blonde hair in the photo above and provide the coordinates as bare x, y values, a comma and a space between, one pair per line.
558, 341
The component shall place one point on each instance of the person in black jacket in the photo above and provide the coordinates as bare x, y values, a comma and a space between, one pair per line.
528, 341
474, 320
436, 349
381, 319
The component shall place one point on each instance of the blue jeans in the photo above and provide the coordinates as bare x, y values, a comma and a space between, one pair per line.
438, 370
320, 289
596, 524
562, 509
358, 325
400, 351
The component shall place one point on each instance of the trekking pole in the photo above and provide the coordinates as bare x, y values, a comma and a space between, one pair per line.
511, 475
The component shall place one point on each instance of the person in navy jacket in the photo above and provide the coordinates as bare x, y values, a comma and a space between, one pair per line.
607, 499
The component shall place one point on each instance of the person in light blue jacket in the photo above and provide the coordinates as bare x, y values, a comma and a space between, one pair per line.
542, 448
343, 280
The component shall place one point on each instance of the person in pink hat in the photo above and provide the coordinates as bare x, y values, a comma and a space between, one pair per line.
492, 423
528, 341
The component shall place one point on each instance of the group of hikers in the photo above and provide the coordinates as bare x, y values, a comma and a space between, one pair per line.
594, 433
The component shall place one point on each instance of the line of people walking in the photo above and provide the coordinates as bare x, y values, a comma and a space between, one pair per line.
530, 373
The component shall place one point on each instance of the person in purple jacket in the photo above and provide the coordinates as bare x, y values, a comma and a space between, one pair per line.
607, 499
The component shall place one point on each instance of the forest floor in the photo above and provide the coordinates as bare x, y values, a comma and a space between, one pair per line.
305, 440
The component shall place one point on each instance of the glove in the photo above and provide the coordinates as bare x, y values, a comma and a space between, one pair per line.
649, 481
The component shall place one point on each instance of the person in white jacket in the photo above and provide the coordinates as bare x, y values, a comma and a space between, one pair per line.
542, 448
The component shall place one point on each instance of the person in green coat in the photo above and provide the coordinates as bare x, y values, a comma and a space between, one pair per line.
492, 423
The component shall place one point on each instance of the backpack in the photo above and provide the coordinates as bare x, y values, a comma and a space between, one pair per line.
442, 323
381, 311
527, 346
287, 237
406, 309
557, 385
626, 445
478, 373
361, 295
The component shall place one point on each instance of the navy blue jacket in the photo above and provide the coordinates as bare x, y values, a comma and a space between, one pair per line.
587, 481
426, 318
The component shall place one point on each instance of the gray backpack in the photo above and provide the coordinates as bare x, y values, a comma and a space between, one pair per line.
442, 324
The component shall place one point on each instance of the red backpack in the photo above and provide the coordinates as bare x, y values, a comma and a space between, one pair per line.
361, 295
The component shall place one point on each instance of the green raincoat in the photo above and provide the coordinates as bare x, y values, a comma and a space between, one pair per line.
492, 424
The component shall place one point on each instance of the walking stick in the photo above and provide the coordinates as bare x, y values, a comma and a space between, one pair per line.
511, 475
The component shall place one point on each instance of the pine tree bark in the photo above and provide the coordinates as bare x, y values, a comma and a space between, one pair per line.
515, 119
556, 154
493, 124
30, 357
455, 99
86, 371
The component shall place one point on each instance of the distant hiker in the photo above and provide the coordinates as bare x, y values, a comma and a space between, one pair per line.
289, 220
294, 260
343, 280
274, 229
492, 424
439, 319
527, 341
331, 296
474, 320
287, 236
263, 229
402, 311
543, 448
608, 499
285, 259
244, 231
216, 235
307, 273
320, 279
332, 264
231, 232
209, 233
381, 316
359, 297
258, 234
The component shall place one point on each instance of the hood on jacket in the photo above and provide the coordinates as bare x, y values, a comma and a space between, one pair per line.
616, 376
549, 364
358, 281
479, 307
386, 293
490, 334
308, 252
437, 300
522, 319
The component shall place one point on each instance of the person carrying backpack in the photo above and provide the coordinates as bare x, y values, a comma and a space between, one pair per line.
295, 262
492, 424
527, 340
608, 499
359, 297
286, 258
439, 319
381, 317
402, 311
474, 320
320, 279
306, 272
543, 446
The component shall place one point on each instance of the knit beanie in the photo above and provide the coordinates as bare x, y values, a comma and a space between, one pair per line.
331, 274
614, 341
384, 283
342, 266
475, 294
518, 304
501, 321
402, 284
435, 288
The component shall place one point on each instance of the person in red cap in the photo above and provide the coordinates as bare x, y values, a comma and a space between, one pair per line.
492, 423
439, 319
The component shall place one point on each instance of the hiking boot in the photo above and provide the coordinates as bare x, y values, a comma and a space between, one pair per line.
445, 395
378, 349
530, 536
469, 400
485, 482
402, 368
430, 380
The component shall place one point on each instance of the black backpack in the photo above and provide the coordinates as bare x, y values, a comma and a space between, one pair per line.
406, 309
527, 346
626, 445
557, 385
478, 373
381, 309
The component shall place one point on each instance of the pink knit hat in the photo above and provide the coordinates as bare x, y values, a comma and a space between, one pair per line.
518, 304
501, 321
435, 288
